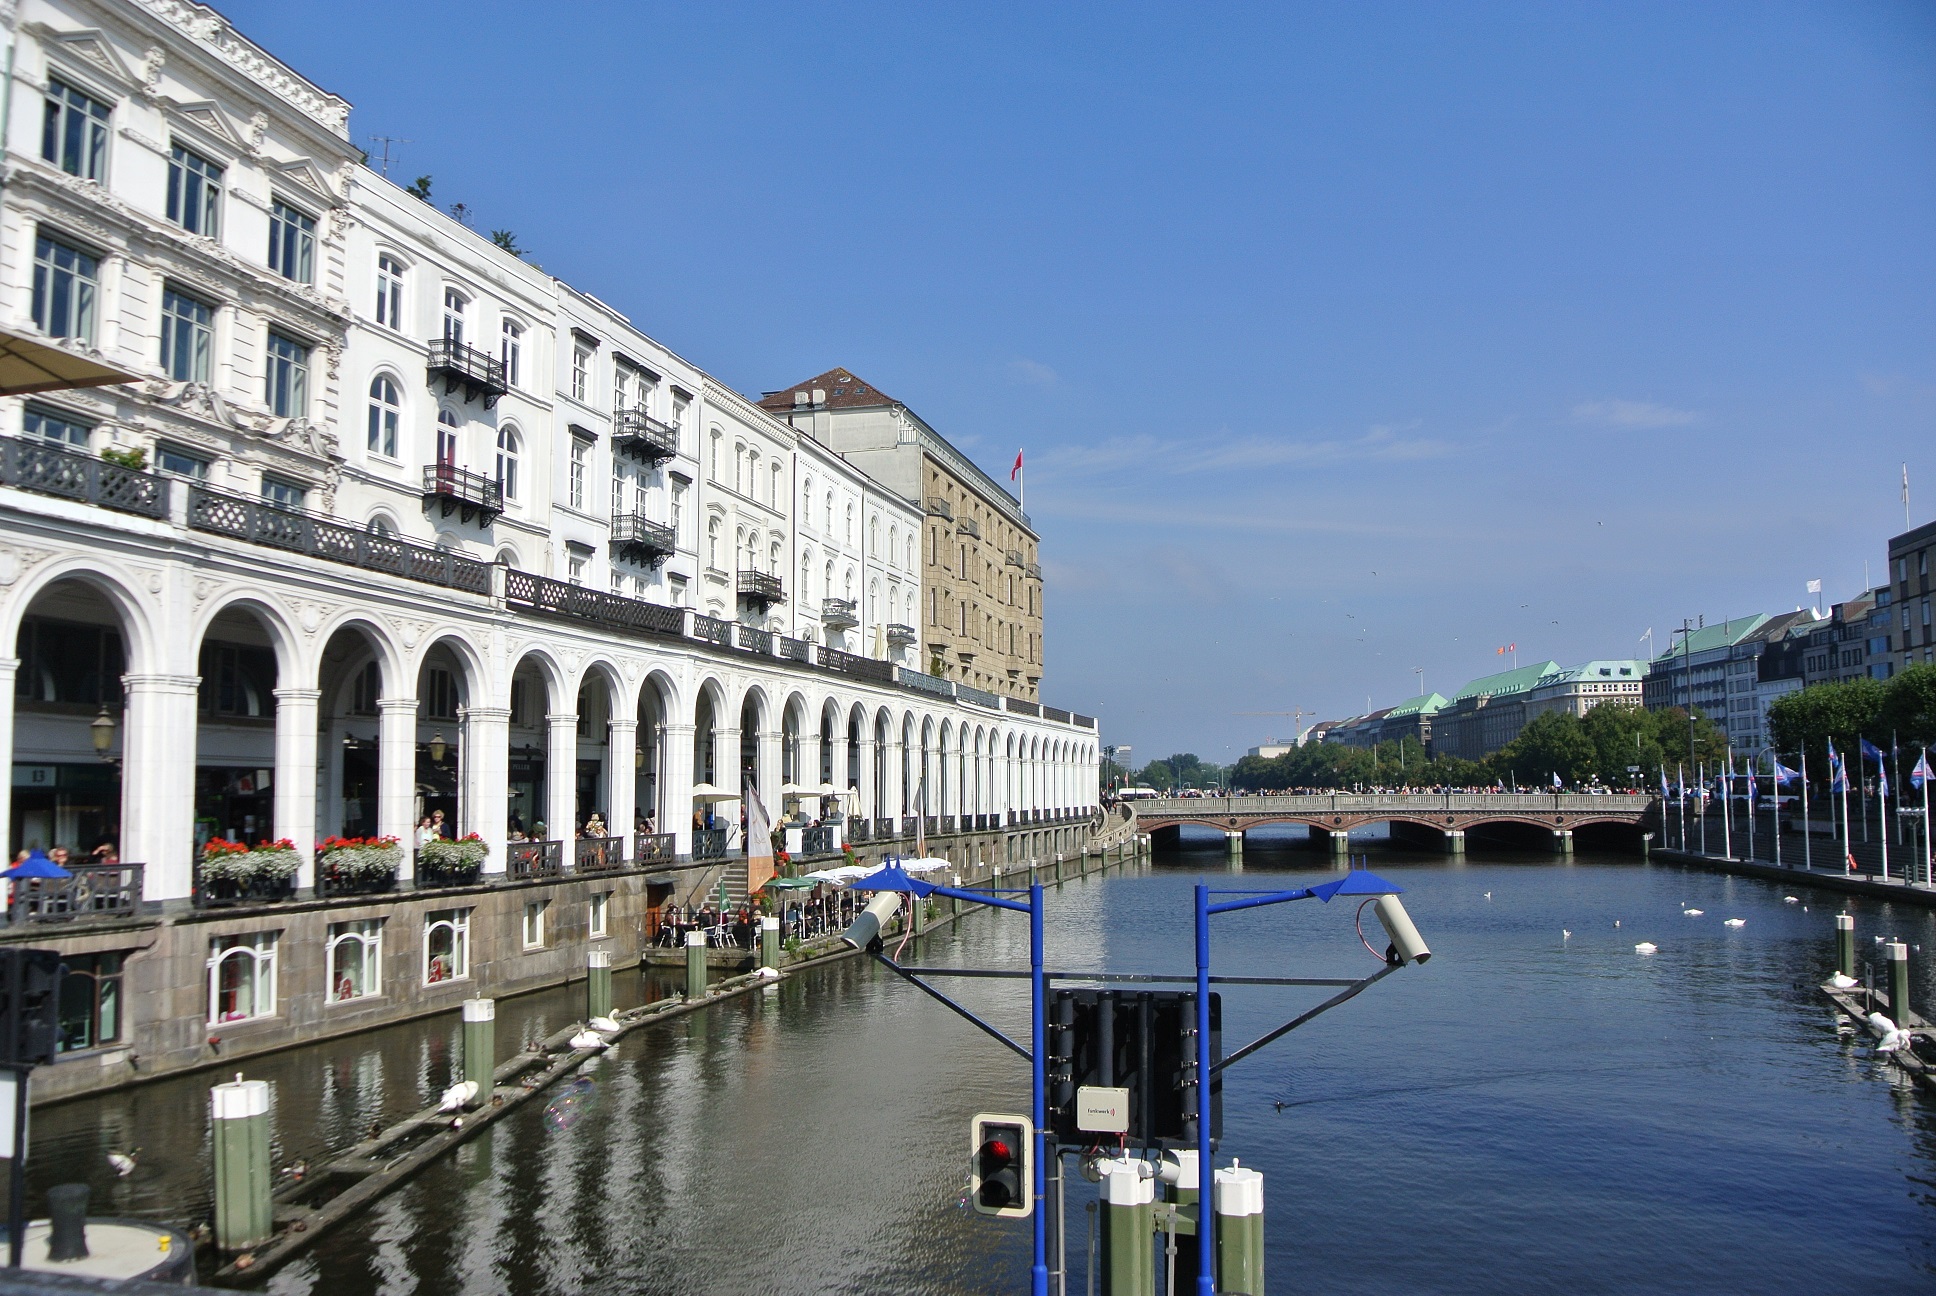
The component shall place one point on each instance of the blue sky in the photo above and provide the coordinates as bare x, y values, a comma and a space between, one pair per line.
1343, 340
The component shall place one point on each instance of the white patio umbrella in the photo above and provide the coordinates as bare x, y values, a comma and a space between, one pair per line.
707, 794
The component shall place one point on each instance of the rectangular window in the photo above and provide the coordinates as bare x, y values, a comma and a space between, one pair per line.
288, 494
187, 336
447, 945
355, 958
534, 924
596, 924
389, 292
52, 425
676, 591
90, 1002
576, 558
581, 456
678, 509
176, 460
512, 352
66, 281
292, 243
581, 371
74, 132
286, 383
194, 192
241, 977
440, 695
618, 488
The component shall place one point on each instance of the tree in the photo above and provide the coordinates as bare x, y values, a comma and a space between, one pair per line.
1908, 710
508, 240
420, 188
1553, 742
1623, 734
1807, 721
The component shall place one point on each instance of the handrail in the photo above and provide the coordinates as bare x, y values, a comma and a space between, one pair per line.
478, 371
48, 469
638, 434
561, 598
95, 893
282, 527
535, 858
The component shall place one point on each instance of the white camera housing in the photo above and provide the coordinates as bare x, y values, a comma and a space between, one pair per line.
867, 924
1404, 935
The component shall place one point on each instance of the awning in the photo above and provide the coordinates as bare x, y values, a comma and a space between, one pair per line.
29, 366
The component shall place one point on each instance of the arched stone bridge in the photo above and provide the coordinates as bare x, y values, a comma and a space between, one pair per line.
1411, 814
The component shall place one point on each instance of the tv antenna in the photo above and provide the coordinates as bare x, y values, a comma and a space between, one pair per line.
383, 162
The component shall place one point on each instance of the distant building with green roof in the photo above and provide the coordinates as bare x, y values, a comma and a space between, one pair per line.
1486, 714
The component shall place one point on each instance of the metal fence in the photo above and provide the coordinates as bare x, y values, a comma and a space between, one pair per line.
48, 469
281, 527
94, 893
535, 858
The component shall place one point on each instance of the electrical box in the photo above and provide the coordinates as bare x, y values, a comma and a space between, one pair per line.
1144, 1042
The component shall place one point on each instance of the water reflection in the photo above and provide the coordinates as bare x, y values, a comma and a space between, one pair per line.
1529, 1112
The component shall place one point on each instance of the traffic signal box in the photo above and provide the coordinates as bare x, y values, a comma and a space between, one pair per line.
1143, 1041
29, 1004
1003, 1175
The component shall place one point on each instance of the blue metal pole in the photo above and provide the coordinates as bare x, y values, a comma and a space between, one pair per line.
1038, 1065
1206, 1243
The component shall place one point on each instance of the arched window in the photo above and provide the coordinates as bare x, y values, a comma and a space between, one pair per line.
806, 504
508, 556
355, 959
447, 945
386, 412
507, 462
773, 558
847, 585
381, 526
773, 492
712, 543
806, 576
828, 588
827, 525
511, 351
893, 542
850, 525
389, 292
455, 306
241, 977
447, 430
719, 449
874, 536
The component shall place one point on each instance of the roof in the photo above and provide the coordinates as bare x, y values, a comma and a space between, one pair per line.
1512, 681
1594, 671
1425, 705
1782, 624
844, 391
1724, 635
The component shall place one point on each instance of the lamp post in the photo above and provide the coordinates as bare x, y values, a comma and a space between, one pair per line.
101, 731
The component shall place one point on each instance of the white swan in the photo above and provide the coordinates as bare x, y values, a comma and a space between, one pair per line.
1693, 913
458, 1096
1565, 934
1841, 982
768, 974
1646, 947
603, 1025
1791, 899
585, 1039
1734, 922
1893, 1036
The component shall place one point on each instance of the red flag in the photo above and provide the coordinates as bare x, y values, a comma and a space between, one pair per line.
1018, 466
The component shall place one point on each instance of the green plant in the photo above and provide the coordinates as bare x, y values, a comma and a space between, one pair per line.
229, 861
135, 459
465, 852
420, 189
508, 240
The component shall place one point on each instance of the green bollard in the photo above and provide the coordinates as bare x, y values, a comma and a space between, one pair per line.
695, 965
598, 983
1899, 982
1845, 944
1178, 1174
1341, 843
244, 1213
1128, 1229
1240, 1231
770, 941
480, 1044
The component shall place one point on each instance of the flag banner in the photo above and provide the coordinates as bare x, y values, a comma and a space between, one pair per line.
1784, 775
1664, 794
1556, 781
759, 841
1920, 775
1870, 751
1882, 785
1814, 587
1016, 470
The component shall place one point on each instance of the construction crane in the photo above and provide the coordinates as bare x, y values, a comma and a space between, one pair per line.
1297, 715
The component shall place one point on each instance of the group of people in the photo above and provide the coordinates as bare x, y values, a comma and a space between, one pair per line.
593, 827
105, 853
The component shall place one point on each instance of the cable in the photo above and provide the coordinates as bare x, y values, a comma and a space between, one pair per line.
1359, 922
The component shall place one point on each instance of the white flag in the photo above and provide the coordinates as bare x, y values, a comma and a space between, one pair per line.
1814, 587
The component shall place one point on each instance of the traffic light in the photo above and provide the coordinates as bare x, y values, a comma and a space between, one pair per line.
1001, 1181
29, 1005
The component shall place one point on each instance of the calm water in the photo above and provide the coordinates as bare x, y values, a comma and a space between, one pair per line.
1526, 1113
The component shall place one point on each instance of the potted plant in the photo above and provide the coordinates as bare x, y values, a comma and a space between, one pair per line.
358, 864
444, 862
233, 870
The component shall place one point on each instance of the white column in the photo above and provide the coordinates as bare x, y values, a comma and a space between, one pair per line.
891, 807
770, 780
158, 782
621, 781
295, 790
561, 775
809, 772
10, 667
396, 777
675, 788
486, 756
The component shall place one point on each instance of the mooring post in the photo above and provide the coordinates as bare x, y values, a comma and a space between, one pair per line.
1182, 1187
770, 940
695, 965
480, 1043
1899, 982
1240, 1231
1128, 1229
1563, 841
1234, 841
244, 1213
1455, 841
1845, 944
598, 983
1340, 843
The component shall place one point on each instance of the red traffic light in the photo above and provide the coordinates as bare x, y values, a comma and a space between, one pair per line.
1001, 1172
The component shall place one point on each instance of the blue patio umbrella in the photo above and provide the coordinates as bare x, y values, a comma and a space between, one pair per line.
891, 877
36, 865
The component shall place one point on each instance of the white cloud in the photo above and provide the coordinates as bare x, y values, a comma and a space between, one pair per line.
1033, 373
1133, 454
1632, 414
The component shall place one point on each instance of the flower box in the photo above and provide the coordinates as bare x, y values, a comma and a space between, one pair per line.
233, 872
451, 863
358, 865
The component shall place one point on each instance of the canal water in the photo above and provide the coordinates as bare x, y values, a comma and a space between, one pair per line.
1530, 1111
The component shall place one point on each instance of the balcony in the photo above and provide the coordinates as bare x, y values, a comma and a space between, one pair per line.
1033, 569
562, 599
938, 507
280, 527
455, 489
838, 614
639, 436
598, 854
48, 469
1012, 558
902, 636
95, 893
761, 588
535, 859
638, 539
477, 372
968, 527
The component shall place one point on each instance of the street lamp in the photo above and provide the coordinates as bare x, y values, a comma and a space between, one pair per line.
101, 730
438, 747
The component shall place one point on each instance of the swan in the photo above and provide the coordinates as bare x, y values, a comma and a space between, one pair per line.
768, 974
603, 1025
1734, 922
1693, 913
1791, 899
1841, 982
123, 1162
1488, 895
458, 1096
1646, 947
1893, 1036
1565, 934
1616, 922
587, 1040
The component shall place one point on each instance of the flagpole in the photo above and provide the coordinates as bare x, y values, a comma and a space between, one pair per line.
1680, 796
1777, 810
1848, 838
1895, 781
1862, 768
1882, 813
1752, 789
1701, 774
1727, 806
1808, 857
1923, 756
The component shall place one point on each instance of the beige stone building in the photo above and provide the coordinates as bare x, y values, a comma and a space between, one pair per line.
981, 618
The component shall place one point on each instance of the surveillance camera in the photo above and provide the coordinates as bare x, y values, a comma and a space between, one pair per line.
1407, 946
865, 931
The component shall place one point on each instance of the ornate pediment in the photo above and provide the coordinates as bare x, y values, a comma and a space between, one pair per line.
212, 120
90, 50
304, 175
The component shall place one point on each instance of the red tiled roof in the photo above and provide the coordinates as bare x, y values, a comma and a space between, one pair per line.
844, 391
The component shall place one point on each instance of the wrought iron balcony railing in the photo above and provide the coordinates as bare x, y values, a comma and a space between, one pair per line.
456, 489
838, 614
561, 598
1033, 569
640, 436
938, 507
639, 539
48, 469
478, 372
95, 893
260, 521
528, 859
859, 667
969, 527
761, 587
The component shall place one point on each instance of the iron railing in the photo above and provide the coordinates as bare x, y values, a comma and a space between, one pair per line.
455, 488
331, 883
909, 825
1055, 713
761, 587
1083, 721
211, 893
528, 859
430, 876
1019, 707
1012, 558
859, 667
884, 829
969, 527
654, 848
947, 823
638, 434
708, 843
48, 469
922, 682
754, 639
479, 373
902, 636
1033, 569
712, 630
793, 649
859, 830
640, 539
838, 614
980, 697
938, 507
598, 854
96, 893
818, 841
262, 522
561, 598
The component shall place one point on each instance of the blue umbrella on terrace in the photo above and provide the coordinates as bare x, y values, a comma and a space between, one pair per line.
36, 865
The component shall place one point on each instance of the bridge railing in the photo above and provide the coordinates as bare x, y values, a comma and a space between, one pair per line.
1619, 803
